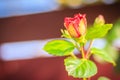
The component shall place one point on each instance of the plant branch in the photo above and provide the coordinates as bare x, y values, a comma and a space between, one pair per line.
82, 52
84, 78
88, 51
76, 44
73, 55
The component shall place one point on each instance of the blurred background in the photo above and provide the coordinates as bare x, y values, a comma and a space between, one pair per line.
26, 25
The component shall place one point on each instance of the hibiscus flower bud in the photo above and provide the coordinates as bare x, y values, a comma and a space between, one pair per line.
76, 26
100, 20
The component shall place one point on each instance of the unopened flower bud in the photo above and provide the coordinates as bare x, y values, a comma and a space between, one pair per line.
100, 20
76, 26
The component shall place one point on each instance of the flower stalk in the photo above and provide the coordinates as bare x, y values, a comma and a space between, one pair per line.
88, 51
84, 78
73, 55
83, 52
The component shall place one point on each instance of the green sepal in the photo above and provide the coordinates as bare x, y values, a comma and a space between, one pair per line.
80, 68
103, 54
81, 40
59, 47
65, 34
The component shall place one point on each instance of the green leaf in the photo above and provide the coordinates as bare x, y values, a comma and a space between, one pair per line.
102, 54
114, 32
59, 47
103, 78
80, 68
98, 31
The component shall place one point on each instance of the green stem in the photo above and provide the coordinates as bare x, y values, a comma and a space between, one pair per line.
84, 78
76, 44
88, 51
83, 52
73, 55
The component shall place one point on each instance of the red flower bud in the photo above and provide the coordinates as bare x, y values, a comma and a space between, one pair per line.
76, 26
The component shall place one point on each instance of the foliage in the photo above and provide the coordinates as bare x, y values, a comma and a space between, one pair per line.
77, 67
77, 36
